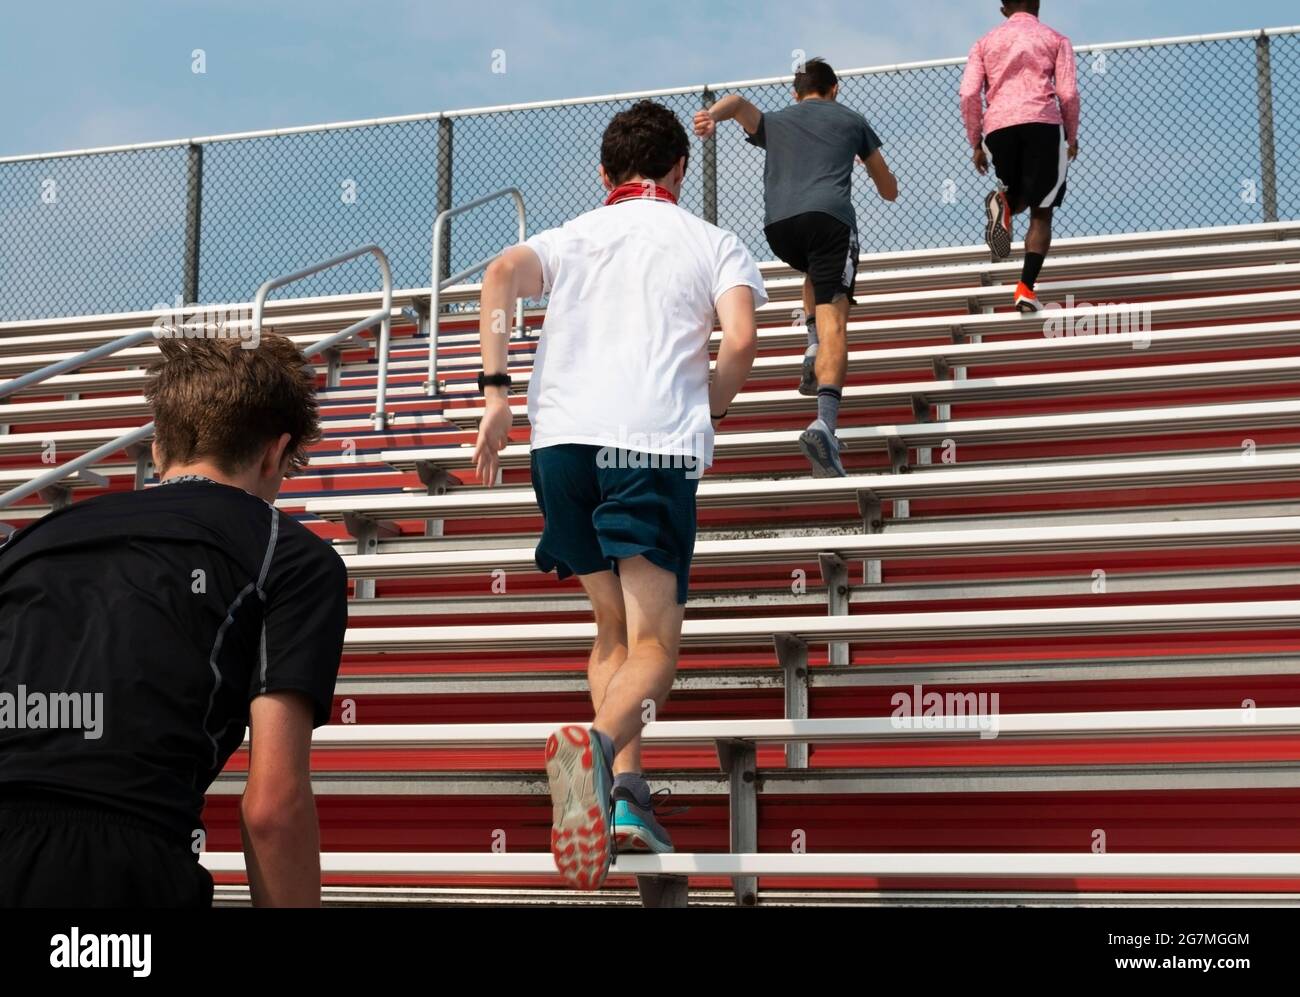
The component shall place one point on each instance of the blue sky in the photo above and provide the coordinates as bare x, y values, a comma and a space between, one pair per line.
100, 72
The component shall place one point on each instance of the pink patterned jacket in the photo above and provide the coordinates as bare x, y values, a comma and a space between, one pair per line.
1029, 74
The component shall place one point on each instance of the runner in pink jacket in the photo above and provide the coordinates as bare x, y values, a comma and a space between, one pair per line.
1020, 103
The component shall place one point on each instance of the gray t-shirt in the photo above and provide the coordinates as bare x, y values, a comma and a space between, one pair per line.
811, 148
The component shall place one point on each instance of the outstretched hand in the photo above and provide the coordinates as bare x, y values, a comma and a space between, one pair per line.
705, 126
493, 437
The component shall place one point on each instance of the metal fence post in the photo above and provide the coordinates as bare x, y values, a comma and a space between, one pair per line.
193, 222
1267, 138
444, 195
710, 167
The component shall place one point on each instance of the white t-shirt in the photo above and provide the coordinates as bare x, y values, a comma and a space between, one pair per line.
624, 354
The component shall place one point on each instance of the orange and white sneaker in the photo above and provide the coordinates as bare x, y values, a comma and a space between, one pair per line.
1026, 300
582, 842
998, 232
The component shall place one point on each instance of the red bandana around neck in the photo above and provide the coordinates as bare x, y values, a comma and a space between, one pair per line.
639, 190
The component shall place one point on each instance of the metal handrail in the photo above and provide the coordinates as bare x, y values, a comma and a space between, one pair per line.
384, 316
432, 385
73, 363
139, 435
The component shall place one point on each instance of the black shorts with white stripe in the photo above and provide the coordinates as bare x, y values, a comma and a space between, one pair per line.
1032, 162
821, 246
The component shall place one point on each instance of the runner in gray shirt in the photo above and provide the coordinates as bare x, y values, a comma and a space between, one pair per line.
811, 226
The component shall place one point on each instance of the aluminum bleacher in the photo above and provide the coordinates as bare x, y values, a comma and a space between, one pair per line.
1087, 543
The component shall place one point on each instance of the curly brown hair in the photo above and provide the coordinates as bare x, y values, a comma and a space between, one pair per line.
646, 140
217, 400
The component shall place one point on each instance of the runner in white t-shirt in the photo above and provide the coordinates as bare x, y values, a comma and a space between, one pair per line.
623, 414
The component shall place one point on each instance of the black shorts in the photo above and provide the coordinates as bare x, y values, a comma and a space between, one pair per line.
57, 855
821, 246
600, 505
1032, 164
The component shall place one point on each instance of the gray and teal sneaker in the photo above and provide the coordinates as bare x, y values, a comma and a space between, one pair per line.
822, 448
582, 841
637, 828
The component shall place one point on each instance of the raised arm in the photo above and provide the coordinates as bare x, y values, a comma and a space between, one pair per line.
516, 273
729, 107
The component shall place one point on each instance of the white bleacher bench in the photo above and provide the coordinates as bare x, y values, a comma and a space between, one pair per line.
58, 494
941, 543
902, 865
1056, 290
1064, 267
1227, 236
868, 489
966, 625
944, 358
1256, 271
1223, 245
961, 327
924, 395
965, 327
301, 329
736, 742
64, 440
1216, 245
791, 637
661, 878
898, 440
836, 730
135, 406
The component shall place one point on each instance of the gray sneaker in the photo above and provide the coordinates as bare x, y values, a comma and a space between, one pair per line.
822, 449
808, 378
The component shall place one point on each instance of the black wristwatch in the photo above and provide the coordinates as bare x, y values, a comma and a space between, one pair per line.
493, 381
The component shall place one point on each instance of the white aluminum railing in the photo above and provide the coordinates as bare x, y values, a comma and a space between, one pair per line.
432, 385
74, 363
381, 317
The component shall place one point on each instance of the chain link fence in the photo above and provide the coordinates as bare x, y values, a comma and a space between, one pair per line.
1174, 135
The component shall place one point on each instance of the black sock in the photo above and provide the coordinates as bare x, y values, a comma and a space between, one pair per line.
1033, 267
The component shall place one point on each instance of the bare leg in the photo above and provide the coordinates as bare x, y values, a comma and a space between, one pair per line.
654, 629
609, 652
833, 354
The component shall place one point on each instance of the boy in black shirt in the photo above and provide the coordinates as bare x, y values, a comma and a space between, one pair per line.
142, 632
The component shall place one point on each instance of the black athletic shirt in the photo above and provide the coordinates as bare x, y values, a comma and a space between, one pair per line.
179, 604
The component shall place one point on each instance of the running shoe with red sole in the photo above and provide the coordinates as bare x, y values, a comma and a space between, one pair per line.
1027, 301
998, 232
581, 782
